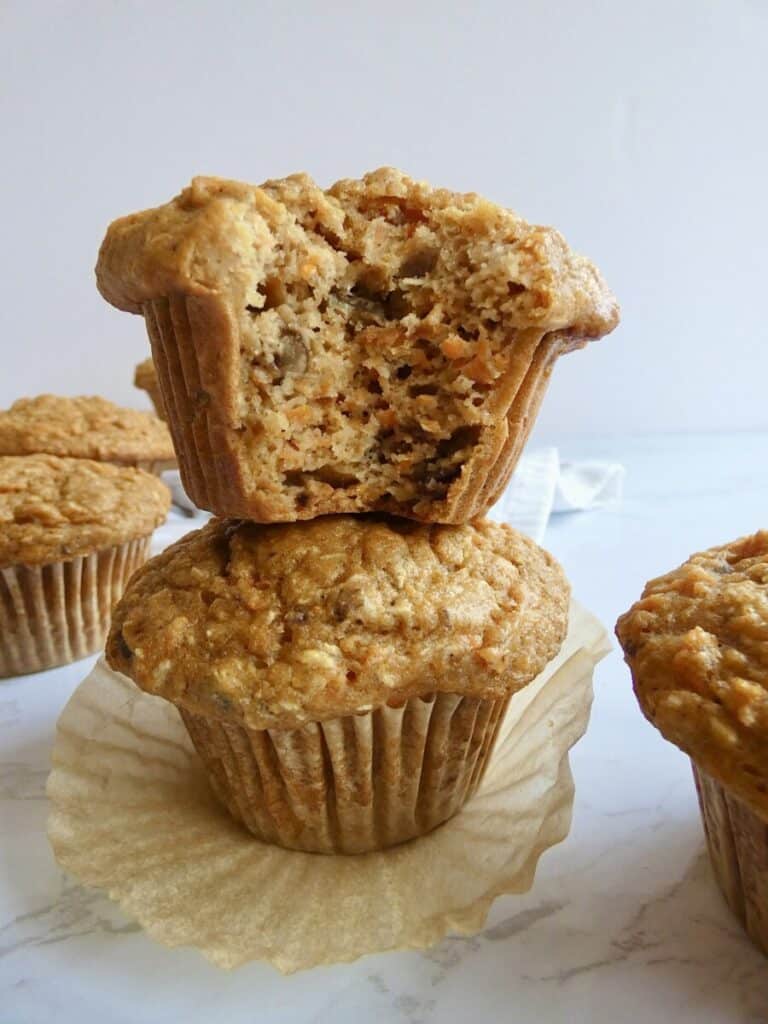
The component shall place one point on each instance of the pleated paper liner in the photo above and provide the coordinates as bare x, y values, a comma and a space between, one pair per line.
737, 840
57, 613
353, 784
132, 813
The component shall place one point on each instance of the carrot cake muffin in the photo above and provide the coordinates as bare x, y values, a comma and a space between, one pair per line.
145, 378
697, 645
86, 428
342, 680
381, 345
72, 532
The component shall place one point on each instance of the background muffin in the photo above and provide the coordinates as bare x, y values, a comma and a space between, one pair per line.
86, 428
379, 346
145, 378
697, 645
72, 532
342, 680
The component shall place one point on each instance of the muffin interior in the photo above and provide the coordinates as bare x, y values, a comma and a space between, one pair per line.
375, 333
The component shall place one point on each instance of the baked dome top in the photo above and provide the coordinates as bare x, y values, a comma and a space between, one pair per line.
273, 626
87, 427
53, 509
697, 645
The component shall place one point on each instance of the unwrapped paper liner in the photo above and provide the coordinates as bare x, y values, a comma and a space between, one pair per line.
132, 813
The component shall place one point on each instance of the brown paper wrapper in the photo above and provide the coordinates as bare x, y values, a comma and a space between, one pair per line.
132, 813
737, 840
182, 329
56, 613
353, 784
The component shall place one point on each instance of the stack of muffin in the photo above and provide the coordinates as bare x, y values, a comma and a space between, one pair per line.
78, 505
370, 358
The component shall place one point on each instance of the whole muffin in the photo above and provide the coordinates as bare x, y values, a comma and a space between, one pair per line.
343, 680
145, 378
72, 532
86, 428
381, 345
697, 645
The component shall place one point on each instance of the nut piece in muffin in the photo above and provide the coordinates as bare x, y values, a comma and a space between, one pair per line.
87, 427
72, 532
145, 378
697, 646
342, 680
381, 345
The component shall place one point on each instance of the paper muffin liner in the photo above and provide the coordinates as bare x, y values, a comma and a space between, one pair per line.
353, 784
476, 500
737, 840
132, 813
209, 471
56, 613
181, 330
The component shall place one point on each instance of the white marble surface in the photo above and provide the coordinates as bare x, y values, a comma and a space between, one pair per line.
624, 923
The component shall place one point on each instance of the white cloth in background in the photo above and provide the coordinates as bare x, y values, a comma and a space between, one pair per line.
541, 486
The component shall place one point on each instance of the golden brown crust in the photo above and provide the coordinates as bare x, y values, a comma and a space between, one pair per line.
697, 645
381, 345
87, 427
145, 378
202, 237
53, 509
274, 626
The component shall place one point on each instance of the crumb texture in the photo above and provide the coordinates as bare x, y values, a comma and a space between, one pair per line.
87, 427
697, 645
274, 626
52, 508
381, 345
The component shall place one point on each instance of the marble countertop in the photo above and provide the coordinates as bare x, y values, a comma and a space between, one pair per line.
624, 923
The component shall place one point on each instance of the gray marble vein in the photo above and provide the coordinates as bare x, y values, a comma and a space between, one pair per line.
76, 911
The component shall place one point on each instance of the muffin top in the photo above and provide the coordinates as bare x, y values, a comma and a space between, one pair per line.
53, 509
145, 374
274, 626
697, 645
217, 230
83, 428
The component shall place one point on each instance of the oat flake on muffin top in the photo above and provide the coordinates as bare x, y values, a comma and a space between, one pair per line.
88, 427
697, 645
53, 509
273, 626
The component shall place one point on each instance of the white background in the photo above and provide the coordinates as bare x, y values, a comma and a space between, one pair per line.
638, 129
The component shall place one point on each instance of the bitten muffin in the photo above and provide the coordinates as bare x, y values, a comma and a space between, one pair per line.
378, 346
342, 680
86, 428
72, 532
145, 378
697, 645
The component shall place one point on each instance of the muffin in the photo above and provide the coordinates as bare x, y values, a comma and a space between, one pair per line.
145, 378
72, 532
380, 346
697, 645
342, 680
86, 428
